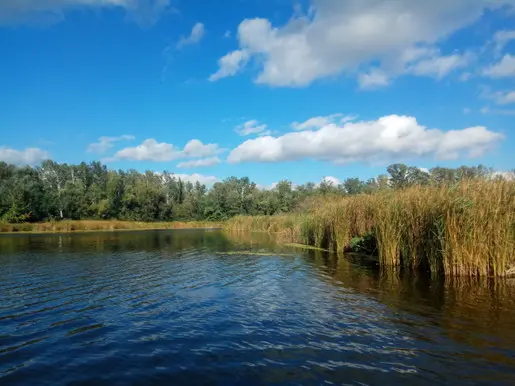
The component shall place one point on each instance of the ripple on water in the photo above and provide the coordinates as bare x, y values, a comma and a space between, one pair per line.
168, 307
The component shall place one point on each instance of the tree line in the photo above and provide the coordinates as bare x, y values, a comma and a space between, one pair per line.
91, 191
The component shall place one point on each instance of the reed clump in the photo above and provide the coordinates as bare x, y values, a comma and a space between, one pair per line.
465, 229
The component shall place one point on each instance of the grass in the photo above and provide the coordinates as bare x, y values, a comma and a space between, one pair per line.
99, 225
468, 229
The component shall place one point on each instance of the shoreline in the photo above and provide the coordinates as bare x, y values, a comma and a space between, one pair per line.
88, 226
64, 232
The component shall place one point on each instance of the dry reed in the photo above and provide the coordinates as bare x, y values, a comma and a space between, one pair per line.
95, 225
468, 229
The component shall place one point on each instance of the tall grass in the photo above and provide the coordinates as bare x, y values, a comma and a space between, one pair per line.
94, 225
468, 229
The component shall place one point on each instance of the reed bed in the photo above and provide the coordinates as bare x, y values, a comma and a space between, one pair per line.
96, 225
466, 229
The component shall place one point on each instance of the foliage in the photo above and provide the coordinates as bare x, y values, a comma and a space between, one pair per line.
55, 191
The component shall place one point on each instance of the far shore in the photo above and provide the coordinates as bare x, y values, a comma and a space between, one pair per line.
80, 226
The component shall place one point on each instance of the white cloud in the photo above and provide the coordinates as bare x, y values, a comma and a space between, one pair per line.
205, 180
505, 97
467, 110
151, 150
502, 38
389, 138
197, 33
267, 187
227, 34
506, 112
105, 143
230, 64
196, 149
252, 127
508, 176
465, 76
200, 163
439, 66
338, 37
419, 61
332, 180
144, 12
29, 156
375, 78
320, 121
505, 68
500, 97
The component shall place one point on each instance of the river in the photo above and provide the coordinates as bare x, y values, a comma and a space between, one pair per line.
207, 308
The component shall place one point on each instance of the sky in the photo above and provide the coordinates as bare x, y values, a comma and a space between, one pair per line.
271, 89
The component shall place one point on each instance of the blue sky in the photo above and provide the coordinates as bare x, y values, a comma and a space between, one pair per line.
271, 90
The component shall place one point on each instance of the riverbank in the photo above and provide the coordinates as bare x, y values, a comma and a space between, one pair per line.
468, 229
101, 225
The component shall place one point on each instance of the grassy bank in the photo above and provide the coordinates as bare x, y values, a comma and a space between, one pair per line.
100, 225
467, 229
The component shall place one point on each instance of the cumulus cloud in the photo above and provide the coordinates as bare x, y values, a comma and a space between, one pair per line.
105, 143
388, 138
252, 127
205, 180
267, 187
331, 180
508, 176
29, 156
230, 64
144, 12
342, 36
320, 121
196, 35
200, 163
373, 79
505, 68
196, 149
151, 150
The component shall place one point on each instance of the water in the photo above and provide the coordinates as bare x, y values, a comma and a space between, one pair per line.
177, 307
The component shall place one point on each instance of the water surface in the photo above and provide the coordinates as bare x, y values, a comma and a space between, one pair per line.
180, 307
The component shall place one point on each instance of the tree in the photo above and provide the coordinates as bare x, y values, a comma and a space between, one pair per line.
443, 176
417, 176
383, 182
83, 191
398, 175
285, 196
353, 186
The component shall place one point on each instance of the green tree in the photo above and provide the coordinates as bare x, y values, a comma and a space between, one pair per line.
398, 176
353, 186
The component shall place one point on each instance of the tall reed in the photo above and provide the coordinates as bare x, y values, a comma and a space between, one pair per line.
467, 229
